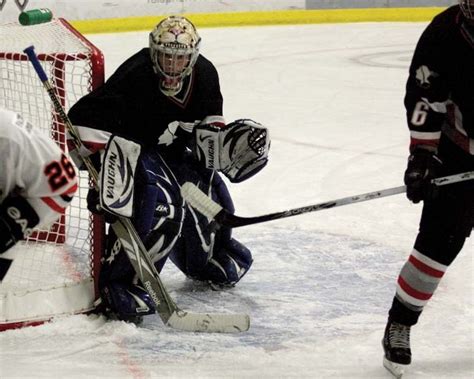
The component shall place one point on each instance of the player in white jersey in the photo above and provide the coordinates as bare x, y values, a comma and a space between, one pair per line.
37, 179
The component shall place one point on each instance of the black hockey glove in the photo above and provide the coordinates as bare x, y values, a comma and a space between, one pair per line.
423, 166
17, 219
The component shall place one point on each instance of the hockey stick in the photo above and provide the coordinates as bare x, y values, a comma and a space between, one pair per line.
169, 312
204, 204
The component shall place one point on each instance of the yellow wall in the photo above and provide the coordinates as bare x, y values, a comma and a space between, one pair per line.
291, 17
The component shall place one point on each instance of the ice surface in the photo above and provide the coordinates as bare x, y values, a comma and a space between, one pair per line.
321, 284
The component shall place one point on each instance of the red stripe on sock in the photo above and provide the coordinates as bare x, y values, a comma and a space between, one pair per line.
413, 292
425, 268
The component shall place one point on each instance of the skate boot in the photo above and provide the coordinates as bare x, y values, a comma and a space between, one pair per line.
396, 345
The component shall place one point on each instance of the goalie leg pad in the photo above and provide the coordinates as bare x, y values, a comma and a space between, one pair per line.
127, 302
165, 207
197, 239
158, 214
203, 252
225, 266
228, 265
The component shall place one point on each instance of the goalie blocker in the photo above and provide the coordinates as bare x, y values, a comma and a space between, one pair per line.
117, 176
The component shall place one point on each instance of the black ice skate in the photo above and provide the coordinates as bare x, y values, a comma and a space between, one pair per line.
396, 345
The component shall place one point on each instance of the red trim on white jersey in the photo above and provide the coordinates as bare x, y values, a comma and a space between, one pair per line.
65, 196
49, 201
92, 139
72, 190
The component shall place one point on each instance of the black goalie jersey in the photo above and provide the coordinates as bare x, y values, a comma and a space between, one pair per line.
440, 89
131, 104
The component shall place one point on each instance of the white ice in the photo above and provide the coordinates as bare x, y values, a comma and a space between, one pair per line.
322, 283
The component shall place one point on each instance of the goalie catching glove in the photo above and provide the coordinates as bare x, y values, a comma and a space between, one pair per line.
239, 150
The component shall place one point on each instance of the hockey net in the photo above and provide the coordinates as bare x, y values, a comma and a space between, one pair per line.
55, 271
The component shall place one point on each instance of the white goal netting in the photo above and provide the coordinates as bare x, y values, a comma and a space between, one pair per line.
53, 272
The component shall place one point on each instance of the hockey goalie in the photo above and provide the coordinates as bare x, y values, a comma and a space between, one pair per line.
157, 123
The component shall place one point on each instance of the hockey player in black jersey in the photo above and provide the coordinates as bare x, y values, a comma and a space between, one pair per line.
166, 100
440, 112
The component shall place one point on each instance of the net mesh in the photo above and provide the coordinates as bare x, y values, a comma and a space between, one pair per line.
63, 254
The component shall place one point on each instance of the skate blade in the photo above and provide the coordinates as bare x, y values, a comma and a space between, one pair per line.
396, 369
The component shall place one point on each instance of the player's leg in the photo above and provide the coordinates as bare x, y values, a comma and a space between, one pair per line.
158, 216
204, 252
446, 222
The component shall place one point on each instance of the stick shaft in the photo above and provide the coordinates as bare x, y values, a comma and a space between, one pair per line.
211, 209
243, 221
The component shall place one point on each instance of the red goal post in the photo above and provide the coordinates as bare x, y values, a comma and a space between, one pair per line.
54, 272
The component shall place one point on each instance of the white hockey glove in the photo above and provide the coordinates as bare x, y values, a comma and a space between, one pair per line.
239, 150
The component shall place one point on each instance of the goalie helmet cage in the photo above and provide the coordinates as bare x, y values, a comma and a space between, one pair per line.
55, 271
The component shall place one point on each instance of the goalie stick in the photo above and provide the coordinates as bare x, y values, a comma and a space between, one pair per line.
169, 312
204, 204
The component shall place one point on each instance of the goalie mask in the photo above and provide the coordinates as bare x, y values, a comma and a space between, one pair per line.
174, 49
467, 8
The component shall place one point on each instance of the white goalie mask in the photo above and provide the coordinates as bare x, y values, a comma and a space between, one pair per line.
467, 8
174, 49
